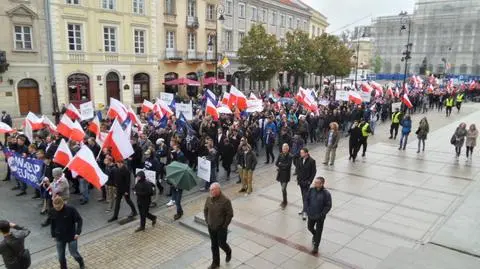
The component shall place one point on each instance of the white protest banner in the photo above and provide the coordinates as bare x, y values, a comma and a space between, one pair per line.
341, 96
396, 105
186, 109
86, 110
254, 105
167, 97
324, 102
365, 96
204, 167
149, 175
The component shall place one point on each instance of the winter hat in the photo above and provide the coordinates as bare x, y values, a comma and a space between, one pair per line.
141, 174
57, 172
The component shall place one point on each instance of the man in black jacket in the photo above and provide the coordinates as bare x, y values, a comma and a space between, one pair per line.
144, 191
306, 170
12, 247
121, 177
66, 228
319, 203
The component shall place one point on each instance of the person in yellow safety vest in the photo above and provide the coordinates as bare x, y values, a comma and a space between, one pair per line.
459, 100
449, 105
366, 131
396, 118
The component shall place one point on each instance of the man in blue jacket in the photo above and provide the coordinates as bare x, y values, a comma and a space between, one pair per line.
319, 203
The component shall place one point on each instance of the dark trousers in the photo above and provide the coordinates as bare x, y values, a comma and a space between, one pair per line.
459, 105
228, 167
269, 150
448, 111
8, 173
104, 192
118, 200
394, 130
72, 248
315, 226
363, 142
353, 149
218, 239
304, 191
284, 190
143, 207
177, 197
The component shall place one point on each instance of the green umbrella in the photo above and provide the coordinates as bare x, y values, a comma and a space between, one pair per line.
181, 176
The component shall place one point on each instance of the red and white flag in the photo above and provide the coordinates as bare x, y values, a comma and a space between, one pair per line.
118, 142
405, 89
72, 112
28, 131
63, 155
49, 124
390, 91
134, 118
355, 97
77, 133
147, 106
164, 108
253, 97
65, 126
5, 129
100, 138
366, 87
94, 126
376, 86
226, 98
237, 98
472, 85
397, 92
85, 165
430, 88
36, 123
212, 110
117, 110
406, 100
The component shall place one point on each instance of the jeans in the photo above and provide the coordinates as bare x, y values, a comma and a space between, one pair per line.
372, 126
84, 189
72, 248
304, 191
315, 226
269, 151
22, 185
218, 240
284, 191
421, 141
177, 197
403, 140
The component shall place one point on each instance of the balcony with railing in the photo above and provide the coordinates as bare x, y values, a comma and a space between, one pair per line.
210, 24
170, 19
194, 56
192, 22
210, 56
76, 57
172, 55
231, 54
111, 58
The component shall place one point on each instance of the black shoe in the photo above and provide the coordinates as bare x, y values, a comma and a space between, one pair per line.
390, 137
6, 179
45, 224
83, 202
213, 266
229, 257
177, 216
36, 196
238, 182
133, 215
15, 188
154, 221
101, 200
139, 229
314, 251
112, 219
266, 162
22, 193
242, 190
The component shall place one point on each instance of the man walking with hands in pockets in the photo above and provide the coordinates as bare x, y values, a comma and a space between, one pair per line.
318, 204
218, 215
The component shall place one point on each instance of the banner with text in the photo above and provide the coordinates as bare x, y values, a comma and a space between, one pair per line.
186, 109
341, 95
86, 110
27, 170
149, 175
167, 97
204, 167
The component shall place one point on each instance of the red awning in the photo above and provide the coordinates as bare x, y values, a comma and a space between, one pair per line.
213, 81
182, 81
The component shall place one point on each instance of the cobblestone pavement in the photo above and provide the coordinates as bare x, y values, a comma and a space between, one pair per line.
167, 245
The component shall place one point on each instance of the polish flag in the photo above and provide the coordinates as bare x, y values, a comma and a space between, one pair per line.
226, 98
157, 110
117, 110
147, 106
35, 122
133, 117
390, 91
72, 112
253, 97
5, 129
397, 93
472, 85
366, 87
355, 97
65, 126
85, 165
28, 131
164, 108
238, 98
100, 138
94, 126
63, 155
119, 143
77, 133
406, 100
212, 110
430, 88
49, 124
376, 86
405, 89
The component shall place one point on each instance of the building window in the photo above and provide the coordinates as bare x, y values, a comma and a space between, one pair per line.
211, 40
229, 7
191, 8
23, 37
170, 7
73, 2
254, 13
139, 7
313, 30
241, 10
192, 41
305, 26
264, 15
274, 18
228, 41
298, 23
210, 12
139, 41
170, 40
290, 22
108, 4
74, 32
282, 20
110, 39
241, 36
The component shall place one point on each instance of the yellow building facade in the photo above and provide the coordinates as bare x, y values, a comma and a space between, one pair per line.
318, 23
187, 39
103, 49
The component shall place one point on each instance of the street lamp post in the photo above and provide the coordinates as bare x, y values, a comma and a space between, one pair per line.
218, 17
404, 21
358, 52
